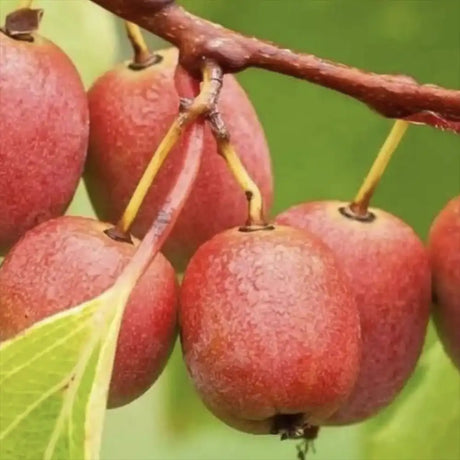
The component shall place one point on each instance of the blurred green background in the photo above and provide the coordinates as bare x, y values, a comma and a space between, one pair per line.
322, 145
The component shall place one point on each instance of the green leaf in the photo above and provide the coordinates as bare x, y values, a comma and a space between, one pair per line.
54, 379
425, 425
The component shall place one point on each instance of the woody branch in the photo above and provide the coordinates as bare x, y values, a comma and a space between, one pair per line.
394, 96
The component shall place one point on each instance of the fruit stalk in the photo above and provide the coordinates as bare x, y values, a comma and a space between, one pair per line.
234, 163
190, 111
360, 204
165, 220
142, 55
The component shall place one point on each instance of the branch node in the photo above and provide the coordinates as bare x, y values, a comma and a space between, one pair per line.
218, 126
184, 104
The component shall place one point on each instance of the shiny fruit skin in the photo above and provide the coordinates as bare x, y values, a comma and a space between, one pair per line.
44, 134
389, 271
444, 248
68, 260
130, 113
268, 326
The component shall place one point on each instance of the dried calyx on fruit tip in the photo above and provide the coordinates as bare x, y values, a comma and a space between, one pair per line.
292, 426
270, 330
22, 23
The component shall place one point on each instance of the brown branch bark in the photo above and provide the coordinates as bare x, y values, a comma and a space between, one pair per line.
394, 96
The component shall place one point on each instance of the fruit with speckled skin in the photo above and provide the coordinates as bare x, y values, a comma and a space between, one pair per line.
444, 248
130, 113
269, 329
44, 134
68, 260
389, 271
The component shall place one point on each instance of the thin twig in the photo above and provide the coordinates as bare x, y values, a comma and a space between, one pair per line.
141, 51
249, 187
362, 200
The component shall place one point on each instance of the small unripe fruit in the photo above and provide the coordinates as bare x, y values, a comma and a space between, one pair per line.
444, 248
68, 260
269, 329
44, 134
388, 267
131, 111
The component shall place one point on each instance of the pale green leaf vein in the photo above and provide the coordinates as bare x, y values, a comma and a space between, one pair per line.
37, 356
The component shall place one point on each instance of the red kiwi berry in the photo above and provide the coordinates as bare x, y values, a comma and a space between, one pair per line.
444, 248
269, 329
45, 125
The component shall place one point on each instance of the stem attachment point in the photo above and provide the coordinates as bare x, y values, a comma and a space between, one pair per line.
256, 228
115, 234
348, 212
154, 59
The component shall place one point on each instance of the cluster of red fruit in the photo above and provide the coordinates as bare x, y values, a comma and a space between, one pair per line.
317, 319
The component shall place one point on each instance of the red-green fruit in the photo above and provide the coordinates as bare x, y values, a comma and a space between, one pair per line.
131, 111
44, 134
68, 260
444, 248
389, 271
269, 329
